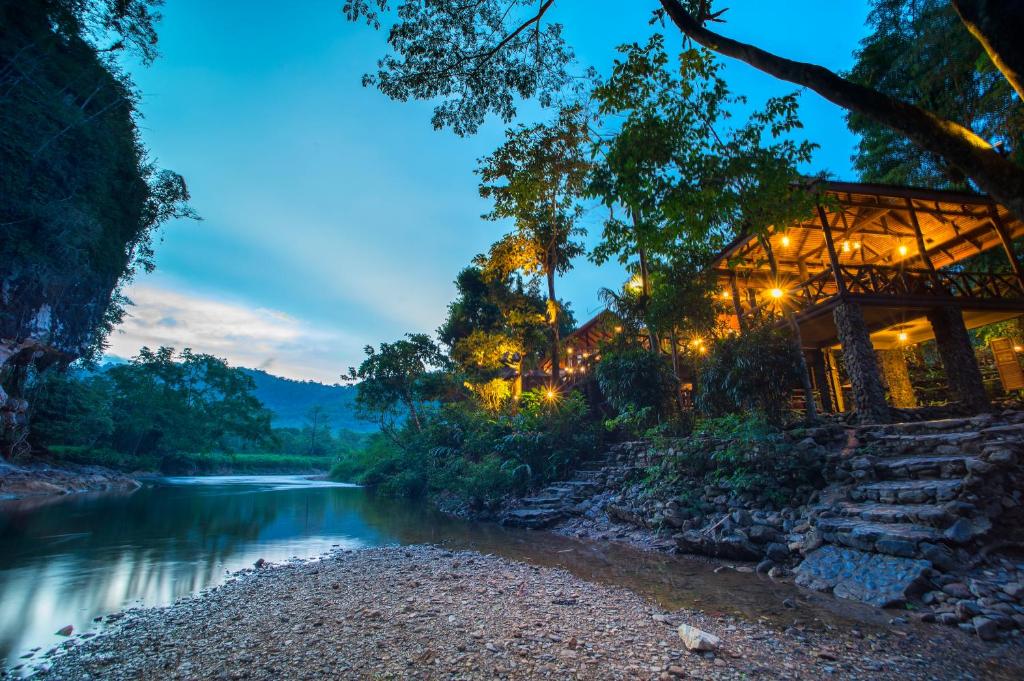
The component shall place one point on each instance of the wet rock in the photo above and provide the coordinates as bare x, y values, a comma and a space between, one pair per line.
777, 552
764, 567
65, 631
879, 580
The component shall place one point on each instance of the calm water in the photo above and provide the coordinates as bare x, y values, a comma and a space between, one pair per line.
67, 560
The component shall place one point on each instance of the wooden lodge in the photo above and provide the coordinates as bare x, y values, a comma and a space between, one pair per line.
872, 269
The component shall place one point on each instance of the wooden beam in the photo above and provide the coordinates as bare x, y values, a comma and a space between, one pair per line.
1007, 243
832, 256
922, 247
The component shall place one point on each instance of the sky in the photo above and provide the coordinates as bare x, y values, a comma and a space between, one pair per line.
335, 218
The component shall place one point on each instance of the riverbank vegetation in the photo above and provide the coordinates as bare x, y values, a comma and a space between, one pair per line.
174, 412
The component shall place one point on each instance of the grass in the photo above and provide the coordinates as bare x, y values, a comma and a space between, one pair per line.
216, 463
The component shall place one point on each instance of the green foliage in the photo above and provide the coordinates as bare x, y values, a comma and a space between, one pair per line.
160, 403
675, 165
396, 381
470, 59
475, 455
743, 453
749, 372
639, 385
920, 51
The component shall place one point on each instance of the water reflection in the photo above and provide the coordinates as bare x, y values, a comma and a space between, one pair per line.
66, 563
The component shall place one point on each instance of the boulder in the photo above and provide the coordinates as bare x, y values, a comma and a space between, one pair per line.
697, 640
879, 580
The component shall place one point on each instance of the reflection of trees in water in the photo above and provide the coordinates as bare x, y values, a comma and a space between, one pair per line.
67, 562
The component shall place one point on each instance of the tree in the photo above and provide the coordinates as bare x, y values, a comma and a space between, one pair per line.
922, 52
536, 178
953, 141
393, 382
470, 83
318, 424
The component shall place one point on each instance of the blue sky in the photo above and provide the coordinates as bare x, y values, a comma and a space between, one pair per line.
335, 217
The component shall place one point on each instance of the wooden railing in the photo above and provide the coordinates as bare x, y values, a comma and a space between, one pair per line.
896, 283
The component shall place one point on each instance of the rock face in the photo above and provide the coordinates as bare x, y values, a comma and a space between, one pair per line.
882, 581
555, 502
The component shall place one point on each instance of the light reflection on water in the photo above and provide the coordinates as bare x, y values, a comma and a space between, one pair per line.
68, 560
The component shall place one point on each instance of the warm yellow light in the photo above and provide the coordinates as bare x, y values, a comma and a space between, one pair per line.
846, 247
635, 284
776, 293
726, 295
702, 350
785, 240
903, 336
856, 245
586, 354
1017, 348
618, 329
902, 250
550, 394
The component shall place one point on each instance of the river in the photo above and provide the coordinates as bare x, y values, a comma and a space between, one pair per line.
68, 560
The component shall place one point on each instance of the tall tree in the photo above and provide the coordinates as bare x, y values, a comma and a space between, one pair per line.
469, 83
920, 51
318, 425
537, 178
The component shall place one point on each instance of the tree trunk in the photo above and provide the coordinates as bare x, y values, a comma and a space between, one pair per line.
410, 404
555, 340
997, 25
972, 155
645, 284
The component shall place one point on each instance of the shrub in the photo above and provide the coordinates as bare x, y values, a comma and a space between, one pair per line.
640, 384
753, 371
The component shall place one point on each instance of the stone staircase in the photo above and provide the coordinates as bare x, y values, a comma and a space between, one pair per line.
557, 501
922, 489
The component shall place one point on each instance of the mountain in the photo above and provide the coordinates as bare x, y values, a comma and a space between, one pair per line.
290, 400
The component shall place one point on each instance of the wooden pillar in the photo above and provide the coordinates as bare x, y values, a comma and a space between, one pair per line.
922, 248
736, 302
835, 384
861, 363
897, 377
954, 344
1004, 239
833, 257
819, 370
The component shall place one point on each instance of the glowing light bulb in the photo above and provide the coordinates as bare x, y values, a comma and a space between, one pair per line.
903, 336
846, 247
785, 240
856, 245
776, 293
618, 329
726, 295
902, 250
1017, 348
550, 394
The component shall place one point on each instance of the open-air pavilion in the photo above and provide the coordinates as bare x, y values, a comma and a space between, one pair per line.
872, 269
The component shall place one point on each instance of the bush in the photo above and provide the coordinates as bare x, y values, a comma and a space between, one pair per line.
640, 386
476, 455
753, 371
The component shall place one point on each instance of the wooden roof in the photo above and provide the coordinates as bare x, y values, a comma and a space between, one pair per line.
874, 224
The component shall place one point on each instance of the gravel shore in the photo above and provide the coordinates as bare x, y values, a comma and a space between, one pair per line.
424, 612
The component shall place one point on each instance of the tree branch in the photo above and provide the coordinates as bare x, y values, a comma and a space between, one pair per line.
959, 145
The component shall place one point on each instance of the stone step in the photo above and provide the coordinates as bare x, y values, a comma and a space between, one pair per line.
545, 502
894, 539
924, 514
908, 491
532, 518
942, 443
941, 466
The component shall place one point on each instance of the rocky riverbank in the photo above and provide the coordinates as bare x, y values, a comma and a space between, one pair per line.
423, 612
40, 480
922, 515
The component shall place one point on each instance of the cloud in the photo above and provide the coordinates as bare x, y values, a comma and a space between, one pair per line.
244, 336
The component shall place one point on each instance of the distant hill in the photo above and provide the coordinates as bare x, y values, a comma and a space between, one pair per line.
290, 401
